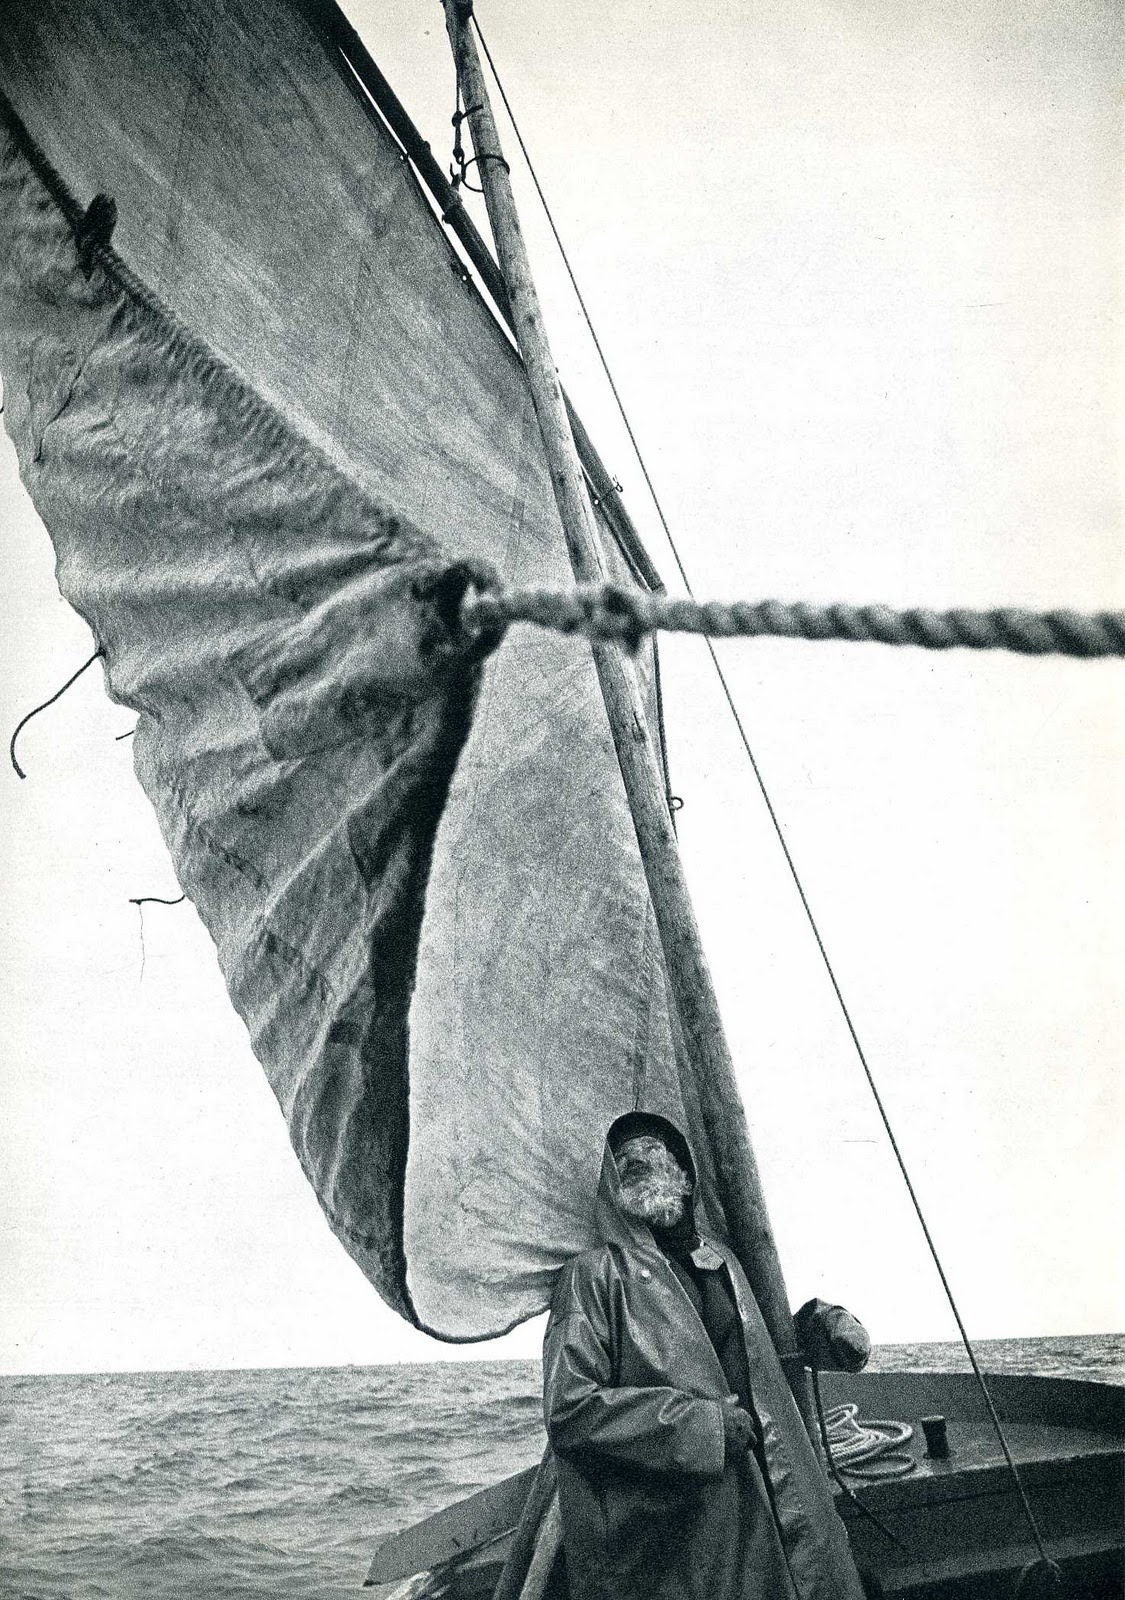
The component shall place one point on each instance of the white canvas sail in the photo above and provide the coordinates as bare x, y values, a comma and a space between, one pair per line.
451, 994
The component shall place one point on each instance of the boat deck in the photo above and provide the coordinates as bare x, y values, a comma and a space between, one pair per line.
952, 1529
960, 1522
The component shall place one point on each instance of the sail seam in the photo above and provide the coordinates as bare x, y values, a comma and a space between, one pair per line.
255, 417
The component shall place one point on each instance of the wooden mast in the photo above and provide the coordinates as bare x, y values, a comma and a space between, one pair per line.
721, 1110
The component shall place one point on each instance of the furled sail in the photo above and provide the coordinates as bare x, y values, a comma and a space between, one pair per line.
269, 438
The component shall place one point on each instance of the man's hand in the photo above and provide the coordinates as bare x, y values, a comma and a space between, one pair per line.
739, 1430
832, 1338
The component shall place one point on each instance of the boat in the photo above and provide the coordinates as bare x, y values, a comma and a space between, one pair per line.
950, 1529
348, 371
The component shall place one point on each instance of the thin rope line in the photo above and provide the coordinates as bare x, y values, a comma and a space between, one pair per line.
1032, 1523
20, 773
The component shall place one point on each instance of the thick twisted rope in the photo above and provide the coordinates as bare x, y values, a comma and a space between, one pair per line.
610, 613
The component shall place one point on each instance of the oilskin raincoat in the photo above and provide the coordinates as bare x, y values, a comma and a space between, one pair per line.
633, 1397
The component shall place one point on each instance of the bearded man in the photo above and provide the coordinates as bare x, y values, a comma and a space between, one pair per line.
684, 1469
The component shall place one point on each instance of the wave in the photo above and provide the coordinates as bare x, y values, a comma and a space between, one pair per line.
247, 1486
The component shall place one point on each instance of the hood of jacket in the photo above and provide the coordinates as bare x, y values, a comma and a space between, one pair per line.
613, 1223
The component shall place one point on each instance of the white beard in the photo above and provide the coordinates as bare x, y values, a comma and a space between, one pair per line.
656, 1199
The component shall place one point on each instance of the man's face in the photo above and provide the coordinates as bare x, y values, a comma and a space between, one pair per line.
654, 1186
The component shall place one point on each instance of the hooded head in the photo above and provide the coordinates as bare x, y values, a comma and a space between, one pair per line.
648, 1177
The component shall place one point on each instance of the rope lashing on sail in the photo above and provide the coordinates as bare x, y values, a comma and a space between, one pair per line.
140, 901
459, 171
1039, 1580
611, 613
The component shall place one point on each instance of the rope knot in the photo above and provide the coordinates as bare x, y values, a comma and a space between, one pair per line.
455, 595
481, 618
617, 613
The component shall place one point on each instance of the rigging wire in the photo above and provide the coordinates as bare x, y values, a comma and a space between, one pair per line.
1026, 1504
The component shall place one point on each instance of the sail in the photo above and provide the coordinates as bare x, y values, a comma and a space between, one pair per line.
266, 436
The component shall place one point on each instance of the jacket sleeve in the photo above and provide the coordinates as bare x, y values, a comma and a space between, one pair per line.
661, 1429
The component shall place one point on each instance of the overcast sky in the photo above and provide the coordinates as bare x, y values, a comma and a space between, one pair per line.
858, 268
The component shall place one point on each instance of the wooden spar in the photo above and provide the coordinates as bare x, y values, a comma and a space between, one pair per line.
722, 1114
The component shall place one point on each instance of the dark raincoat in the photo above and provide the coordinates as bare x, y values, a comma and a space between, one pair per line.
633, 1394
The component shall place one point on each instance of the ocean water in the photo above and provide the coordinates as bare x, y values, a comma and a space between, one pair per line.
243, 1485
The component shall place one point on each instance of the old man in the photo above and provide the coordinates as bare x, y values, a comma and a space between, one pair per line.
684, 1469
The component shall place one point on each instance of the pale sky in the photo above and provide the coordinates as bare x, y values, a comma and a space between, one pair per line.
859, 271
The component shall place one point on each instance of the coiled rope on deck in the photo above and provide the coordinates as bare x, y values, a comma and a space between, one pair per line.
609, 612
867, 1448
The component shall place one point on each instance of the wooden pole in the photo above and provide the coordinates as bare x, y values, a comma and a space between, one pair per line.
722, 1114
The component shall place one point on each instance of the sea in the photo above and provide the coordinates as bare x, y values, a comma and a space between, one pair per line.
246, 1484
